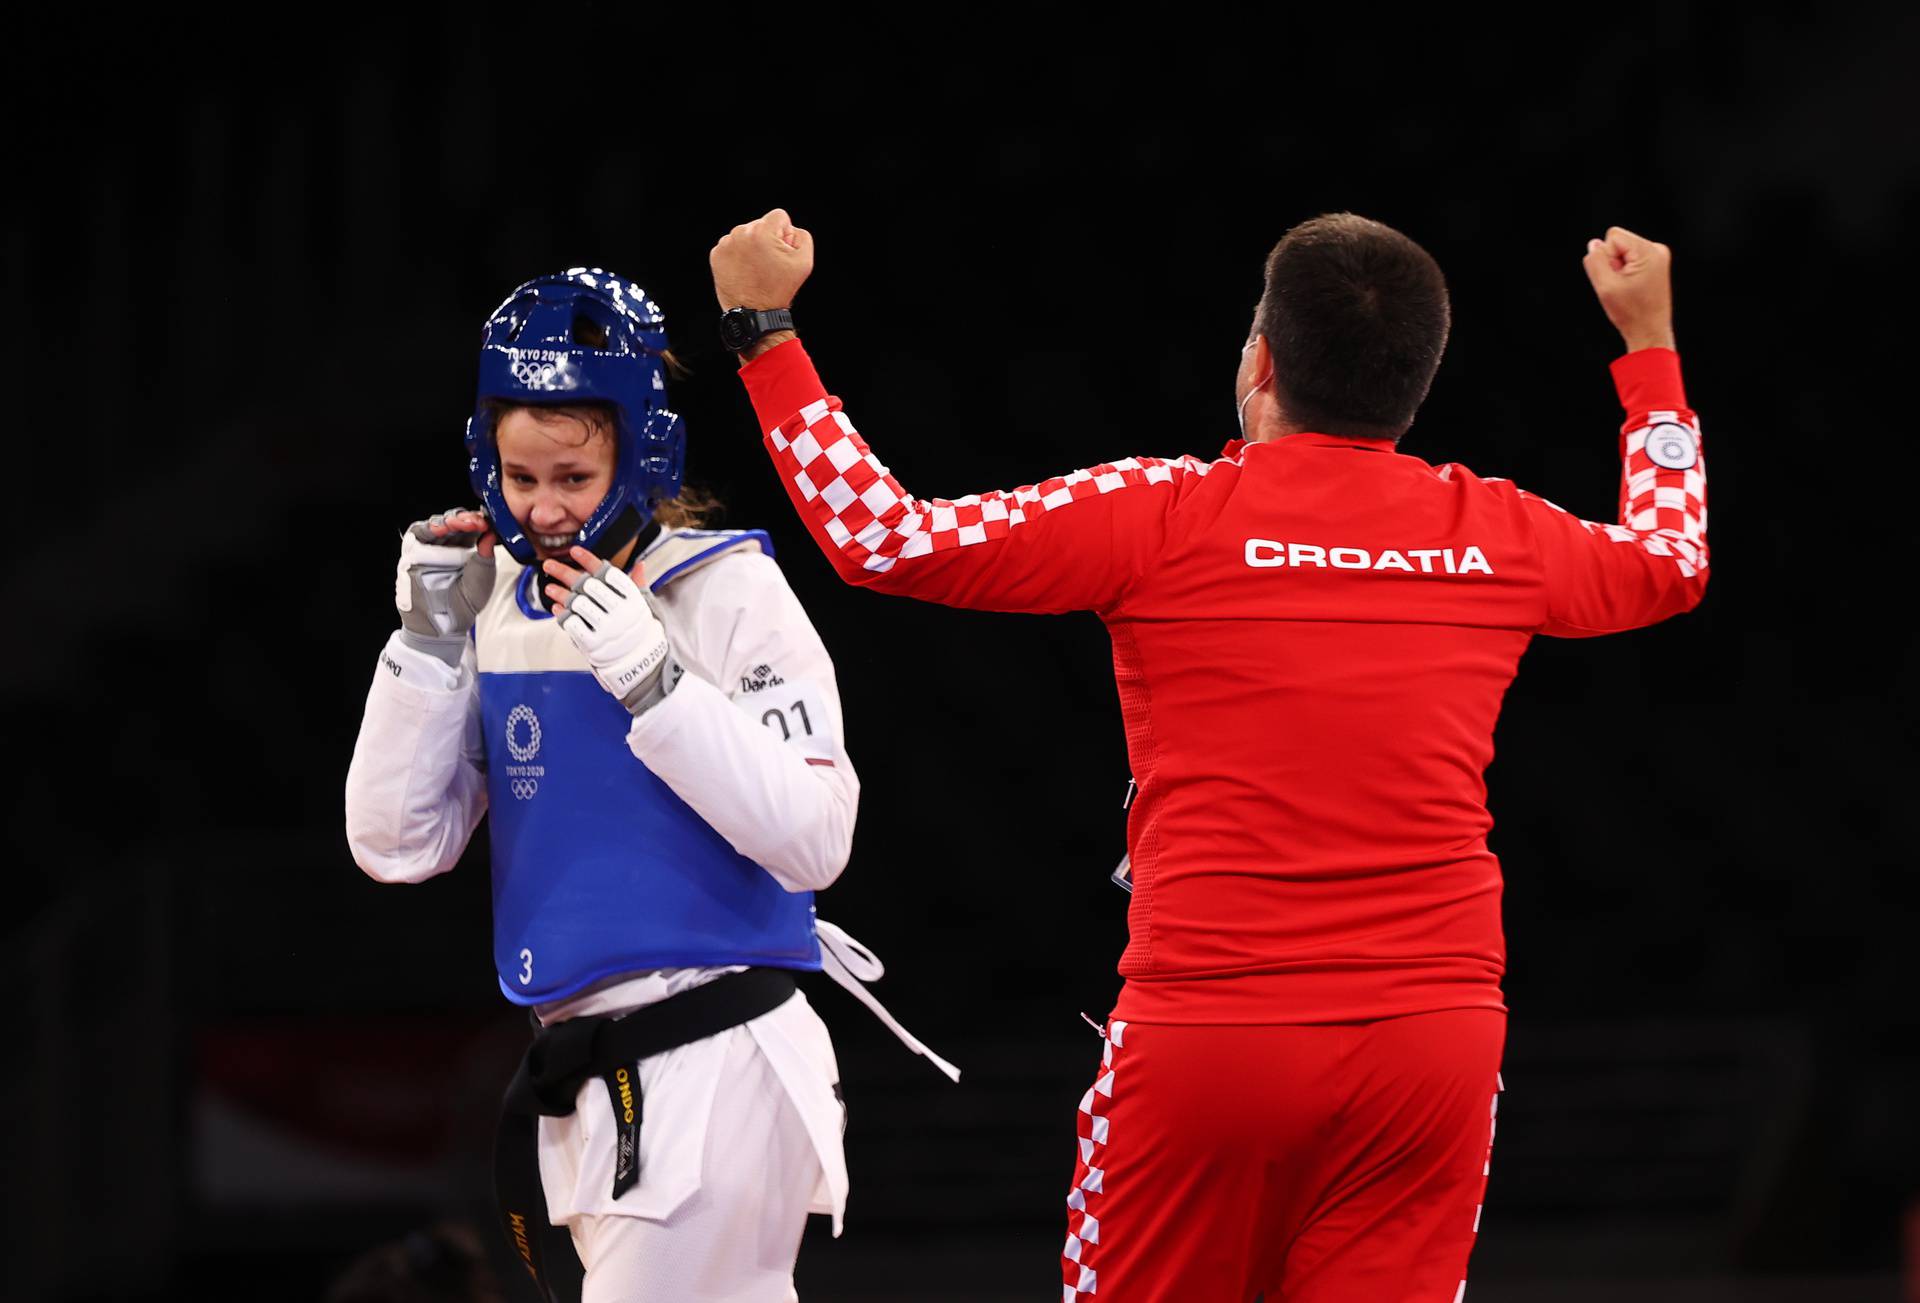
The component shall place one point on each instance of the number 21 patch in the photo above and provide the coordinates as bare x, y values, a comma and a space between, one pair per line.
796, 711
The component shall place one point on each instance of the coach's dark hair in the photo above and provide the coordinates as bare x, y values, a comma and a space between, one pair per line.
1356, 315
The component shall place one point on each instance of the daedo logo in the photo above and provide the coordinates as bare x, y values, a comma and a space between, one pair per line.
1267, 553
760, 678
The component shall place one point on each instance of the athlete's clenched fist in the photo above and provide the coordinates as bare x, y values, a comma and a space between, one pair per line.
612, 621
445, 576
761, 264
1633, 277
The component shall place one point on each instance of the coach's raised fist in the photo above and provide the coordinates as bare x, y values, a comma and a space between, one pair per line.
761, 264
1633, 277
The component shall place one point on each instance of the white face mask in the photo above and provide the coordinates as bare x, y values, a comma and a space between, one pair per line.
1240, 414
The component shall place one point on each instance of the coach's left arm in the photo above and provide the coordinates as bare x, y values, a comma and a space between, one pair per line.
1652, 563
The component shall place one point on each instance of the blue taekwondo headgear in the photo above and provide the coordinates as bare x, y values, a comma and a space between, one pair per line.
583, 336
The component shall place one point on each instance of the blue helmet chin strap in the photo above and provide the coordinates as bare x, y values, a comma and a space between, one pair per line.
584, 336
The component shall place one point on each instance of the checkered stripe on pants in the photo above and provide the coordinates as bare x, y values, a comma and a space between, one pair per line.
1078, 1274
1486, 1168
1661, 509
876, 523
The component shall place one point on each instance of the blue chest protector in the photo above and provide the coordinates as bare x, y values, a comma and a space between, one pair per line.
598, 867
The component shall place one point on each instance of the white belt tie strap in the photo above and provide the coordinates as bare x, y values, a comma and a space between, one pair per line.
852, 965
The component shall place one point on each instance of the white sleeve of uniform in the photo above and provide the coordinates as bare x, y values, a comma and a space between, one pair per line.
417, 786
751, 736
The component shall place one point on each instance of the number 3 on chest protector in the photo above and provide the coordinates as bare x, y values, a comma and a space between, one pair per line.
526, 966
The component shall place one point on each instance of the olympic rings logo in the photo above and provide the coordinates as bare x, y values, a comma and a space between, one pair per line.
543, 369
524, 788
523, 751
534, 375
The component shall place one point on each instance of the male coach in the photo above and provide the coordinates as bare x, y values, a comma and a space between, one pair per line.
1311, 634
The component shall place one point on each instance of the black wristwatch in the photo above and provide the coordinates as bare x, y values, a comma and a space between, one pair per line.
742, 328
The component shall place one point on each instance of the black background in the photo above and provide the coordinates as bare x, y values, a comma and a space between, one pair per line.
246, 271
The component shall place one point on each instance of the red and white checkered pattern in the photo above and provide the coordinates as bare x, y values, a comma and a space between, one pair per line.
876, 523
1661, 509
1486, 1170
1078, 1275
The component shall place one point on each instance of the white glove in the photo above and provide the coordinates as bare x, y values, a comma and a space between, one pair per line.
444, 578
612, 621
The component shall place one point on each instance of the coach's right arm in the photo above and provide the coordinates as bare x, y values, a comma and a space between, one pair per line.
1071, 542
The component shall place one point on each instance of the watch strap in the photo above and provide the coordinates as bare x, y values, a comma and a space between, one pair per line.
742, 328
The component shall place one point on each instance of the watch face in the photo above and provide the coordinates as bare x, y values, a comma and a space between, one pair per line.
736, 328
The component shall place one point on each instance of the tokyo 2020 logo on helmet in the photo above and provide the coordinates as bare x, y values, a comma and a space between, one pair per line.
583, 336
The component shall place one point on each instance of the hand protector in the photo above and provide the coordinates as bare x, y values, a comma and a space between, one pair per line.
440, 587
612, 621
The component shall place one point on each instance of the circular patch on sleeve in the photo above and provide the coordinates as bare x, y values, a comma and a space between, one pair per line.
1672, 446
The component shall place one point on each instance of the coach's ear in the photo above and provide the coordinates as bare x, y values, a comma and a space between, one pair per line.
1261, 358
1256, 368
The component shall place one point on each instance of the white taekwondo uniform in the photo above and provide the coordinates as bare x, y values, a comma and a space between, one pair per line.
742, 1131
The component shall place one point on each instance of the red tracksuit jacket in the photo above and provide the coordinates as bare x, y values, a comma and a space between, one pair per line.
1311, 639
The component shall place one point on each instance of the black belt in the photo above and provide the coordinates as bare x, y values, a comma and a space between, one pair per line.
549, 1078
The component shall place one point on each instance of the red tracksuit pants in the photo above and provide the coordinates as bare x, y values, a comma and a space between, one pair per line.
1342, 1163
